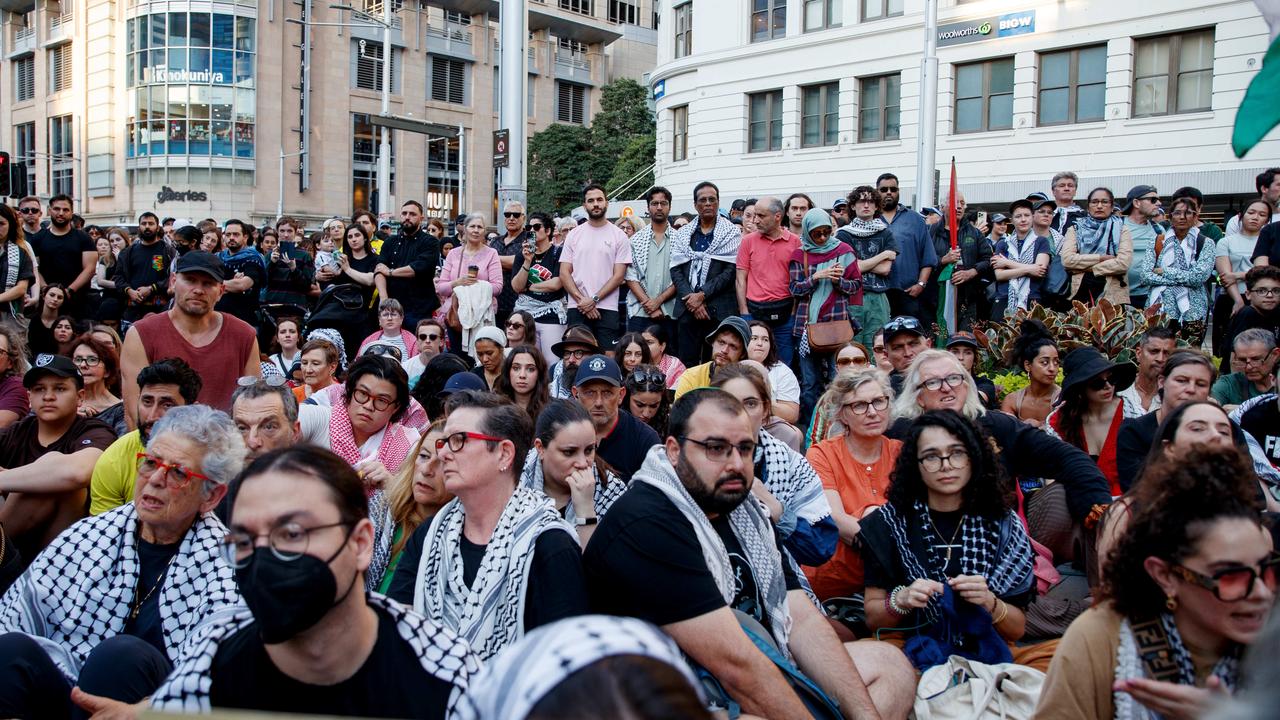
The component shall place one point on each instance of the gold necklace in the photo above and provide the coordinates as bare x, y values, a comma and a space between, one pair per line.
136, 607
929, 517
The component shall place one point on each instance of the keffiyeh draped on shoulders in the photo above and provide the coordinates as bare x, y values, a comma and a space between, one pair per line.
791, 479
607, 492
726, 237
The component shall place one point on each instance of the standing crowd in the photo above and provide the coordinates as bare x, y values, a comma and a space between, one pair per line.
717, 464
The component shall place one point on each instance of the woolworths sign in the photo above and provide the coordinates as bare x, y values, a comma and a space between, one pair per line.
987, 28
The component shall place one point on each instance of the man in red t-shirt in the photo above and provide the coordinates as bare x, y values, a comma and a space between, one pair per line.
763, 277
219, 347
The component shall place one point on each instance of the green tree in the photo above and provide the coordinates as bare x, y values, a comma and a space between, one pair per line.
559, 165
636, 159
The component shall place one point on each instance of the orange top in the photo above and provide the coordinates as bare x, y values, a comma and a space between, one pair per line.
860, 486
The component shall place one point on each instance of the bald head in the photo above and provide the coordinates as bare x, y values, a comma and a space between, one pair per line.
768, 215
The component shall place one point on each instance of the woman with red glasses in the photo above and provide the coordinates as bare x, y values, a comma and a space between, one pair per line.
1188, 587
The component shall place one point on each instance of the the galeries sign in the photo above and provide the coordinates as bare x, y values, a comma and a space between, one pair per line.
168, 194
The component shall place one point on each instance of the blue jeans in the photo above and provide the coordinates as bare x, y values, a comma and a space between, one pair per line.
816, 370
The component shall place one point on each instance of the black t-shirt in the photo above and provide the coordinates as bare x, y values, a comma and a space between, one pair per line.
390, 684
945, 525
1268, 243
20, 442
1263, 422
244, 305
625, 448
547, 267
557, 588
365, 264
140, 265
512, 249
1133, 442
1248, 318
420, 251
644, 561
59, 255
153, 562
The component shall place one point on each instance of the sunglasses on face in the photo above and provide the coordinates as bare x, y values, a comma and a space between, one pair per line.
1100, 382
888, 189
510, 215
535, 227
432, 337
515, 326
1235, 583
29, 211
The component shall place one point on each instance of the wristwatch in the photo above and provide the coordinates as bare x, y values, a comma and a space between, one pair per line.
920, 284
585, 521
595, 298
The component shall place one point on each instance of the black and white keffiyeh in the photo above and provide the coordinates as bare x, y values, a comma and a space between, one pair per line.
384, 530
1006, 567
1020, 287
77, 592
490, 614
1130, 666
607, 492
510, 686
858, 227
751, 526
791, 479
725, 239
442, 653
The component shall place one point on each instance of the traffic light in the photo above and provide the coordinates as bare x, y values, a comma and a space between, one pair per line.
6, 174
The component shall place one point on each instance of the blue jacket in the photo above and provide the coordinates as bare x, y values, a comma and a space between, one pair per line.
915, 249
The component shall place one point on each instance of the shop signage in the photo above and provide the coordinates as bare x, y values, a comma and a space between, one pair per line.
987, 28
165, 75
659, 89
168, 194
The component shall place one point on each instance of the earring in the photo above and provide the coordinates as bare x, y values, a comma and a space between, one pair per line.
1171, 603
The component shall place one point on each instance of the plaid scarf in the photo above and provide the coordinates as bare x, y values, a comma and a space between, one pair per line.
77, 592
1129, 665
490, 614
725, 239
607, 492
442, 654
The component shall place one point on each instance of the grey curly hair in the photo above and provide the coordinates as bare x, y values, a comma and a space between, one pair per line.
213, 430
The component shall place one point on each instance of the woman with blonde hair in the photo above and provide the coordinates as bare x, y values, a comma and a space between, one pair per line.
630, 225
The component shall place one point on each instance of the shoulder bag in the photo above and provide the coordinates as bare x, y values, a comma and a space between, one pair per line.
829, 335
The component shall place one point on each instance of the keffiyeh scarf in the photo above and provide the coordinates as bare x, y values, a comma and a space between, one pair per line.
490, 614
725, 239
791, 479
442, 654
334, 337
392, 451
1098, 237
510, 686
1129, 663
1181, 255
384, 529
77, 592
606, 493
750, 524
1007, 567
1020, 287
864, 228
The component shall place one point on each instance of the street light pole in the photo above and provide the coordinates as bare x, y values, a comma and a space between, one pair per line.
384, 149
280, 195
511, 113
926, 148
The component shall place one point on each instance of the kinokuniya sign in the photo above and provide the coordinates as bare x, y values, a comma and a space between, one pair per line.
987, 28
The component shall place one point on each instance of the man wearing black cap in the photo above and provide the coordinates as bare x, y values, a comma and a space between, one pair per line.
728, 343
218, 346
621, 440
48, 458
904, 338
1142, 204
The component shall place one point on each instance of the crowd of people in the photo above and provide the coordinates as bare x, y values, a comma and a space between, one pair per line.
685, 466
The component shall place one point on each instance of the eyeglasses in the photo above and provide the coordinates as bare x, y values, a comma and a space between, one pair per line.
860, 407
847, 361
179, 475
574, 354
390, 313
1233, 584
515, 326
361, 397
1100, 382
1266, 291
432, 337
648, 377
268, 380
1100, 201
1183, 213
87, 360
719, 449
958, 459
458, 440
1251, 362
287, 542
952, 380
29, 211
510, 215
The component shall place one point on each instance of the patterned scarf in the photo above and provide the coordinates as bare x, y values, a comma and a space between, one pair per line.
858, 227
791, 479
1098, 237
384, 529
751, 526
77, 592
490, 614
1179, 255
511, 685
606, 494
725, 239
1020, 287
392, 451
442, 654
245, 254
1129, 665
334, 337
1007, 568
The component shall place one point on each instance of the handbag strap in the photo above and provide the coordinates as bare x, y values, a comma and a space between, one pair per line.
1153, 649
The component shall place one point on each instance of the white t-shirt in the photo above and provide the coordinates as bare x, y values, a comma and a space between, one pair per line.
1239, 248
413, 367
783, 384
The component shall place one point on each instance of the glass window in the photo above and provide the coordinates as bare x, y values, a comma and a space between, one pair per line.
680, 133
157, 31
878, 108
984, 96
684, 30
820, 115
1173, 74
768, 19
764, 120
200, 29
822, 14
244, 34
1073, 85
177, 28
878, 9
223, 31
221, 64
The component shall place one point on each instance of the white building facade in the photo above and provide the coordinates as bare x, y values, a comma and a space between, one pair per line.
777, 96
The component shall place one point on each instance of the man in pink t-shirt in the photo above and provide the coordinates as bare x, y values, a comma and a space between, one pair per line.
763, 274
593, 264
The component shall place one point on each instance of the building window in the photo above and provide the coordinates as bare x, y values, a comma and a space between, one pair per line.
448, 80
680, 133
443, 176
571, 103
879, 9
582, 7
820, 115
621, 11
879, 102
764, 116
60, 68
367, 58
768, 19
24, 79
821, 14
684, 30
1073, 85
62, 155
984, 96
456, 18
530, 95
1173, 74
24, 146
364, 163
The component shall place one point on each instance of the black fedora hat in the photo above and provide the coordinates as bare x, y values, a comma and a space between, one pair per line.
1085, 363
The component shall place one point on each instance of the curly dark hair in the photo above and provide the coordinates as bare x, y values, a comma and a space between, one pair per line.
1032, 336
1170, 517
989, 492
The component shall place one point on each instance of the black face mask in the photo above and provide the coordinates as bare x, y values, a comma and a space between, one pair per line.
288, 597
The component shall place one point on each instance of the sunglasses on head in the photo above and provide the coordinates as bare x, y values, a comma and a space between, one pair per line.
649, 377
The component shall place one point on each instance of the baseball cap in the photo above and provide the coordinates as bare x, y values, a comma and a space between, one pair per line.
1036, 205
962, 338
1038, 196
840, 202
1136, 192
202, 262
999, 217
579, 215
598, 367
465, 380
183, 222
1021, 203
927, 211
902, 324
737, 325
56, 365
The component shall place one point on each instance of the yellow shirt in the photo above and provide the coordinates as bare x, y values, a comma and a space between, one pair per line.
114, 474
695, 377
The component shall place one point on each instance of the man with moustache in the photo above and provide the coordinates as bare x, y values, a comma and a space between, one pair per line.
510, 247
142, 270
245, 275
684, 549
916, 255
190, 330
704, 258
728, 344
652, 297
578, 343
593, 266
408, 266
1154, 348
65, 255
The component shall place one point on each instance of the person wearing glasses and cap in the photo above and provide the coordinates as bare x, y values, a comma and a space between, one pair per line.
623, 440
509, 246
1142, 204
102, 616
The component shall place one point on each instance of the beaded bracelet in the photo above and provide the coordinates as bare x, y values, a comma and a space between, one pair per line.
892, 605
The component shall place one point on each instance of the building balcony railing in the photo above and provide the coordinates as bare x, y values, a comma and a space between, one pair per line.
24, 41
497, 52
451, 33
61, 26
575, 63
